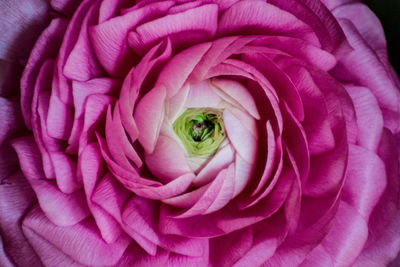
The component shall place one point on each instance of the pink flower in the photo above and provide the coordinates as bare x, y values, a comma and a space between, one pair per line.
199, 133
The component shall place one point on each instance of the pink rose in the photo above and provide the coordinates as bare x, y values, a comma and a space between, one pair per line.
199, 133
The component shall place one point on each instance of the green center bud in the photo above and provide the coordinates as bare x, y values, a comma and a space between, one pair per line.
201, 130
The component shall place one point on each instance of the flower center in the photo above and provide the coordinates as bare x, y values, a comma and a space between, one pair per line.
201, 130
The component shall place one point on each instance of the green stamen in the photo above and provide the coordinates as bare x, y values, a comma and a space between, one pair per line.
201, 130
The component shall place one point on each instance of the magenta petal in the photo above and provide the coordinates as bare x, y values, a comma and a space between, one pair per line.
48, 253
216, 196
248, 17
201, 20
46, 46
16, 198
140, 217
81, 63
383, 244
65, 172
51, 200
21, 23
10, 118
365, 66
94, 251
365, 180
66, 7
90, 162
369, 117
118, 143
242, 139
188, 199
346, 238
109, 37
148, 116
111, 196
81, 92
322, 22
59, 118
178, 186
226, 250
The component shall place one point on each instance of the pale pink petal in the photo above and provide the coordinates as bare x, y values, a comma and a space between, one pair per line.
177, 102
148, 116
227, 190
168, 160
183, 63
220, 49
238, 93
188, 199
245, 119
200, 23
201, 95
242, 140
218, 162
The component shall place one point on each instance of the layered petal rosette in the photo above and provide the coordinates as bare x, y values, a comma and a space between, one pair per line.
205, 133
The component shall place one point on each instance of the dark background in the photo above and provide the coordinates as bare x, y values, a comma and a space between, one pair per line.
388, 11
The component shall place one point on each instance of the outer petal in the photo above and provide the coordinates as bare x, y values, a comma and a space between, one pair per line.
93, 251
21, 22
16, 197
50, 198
